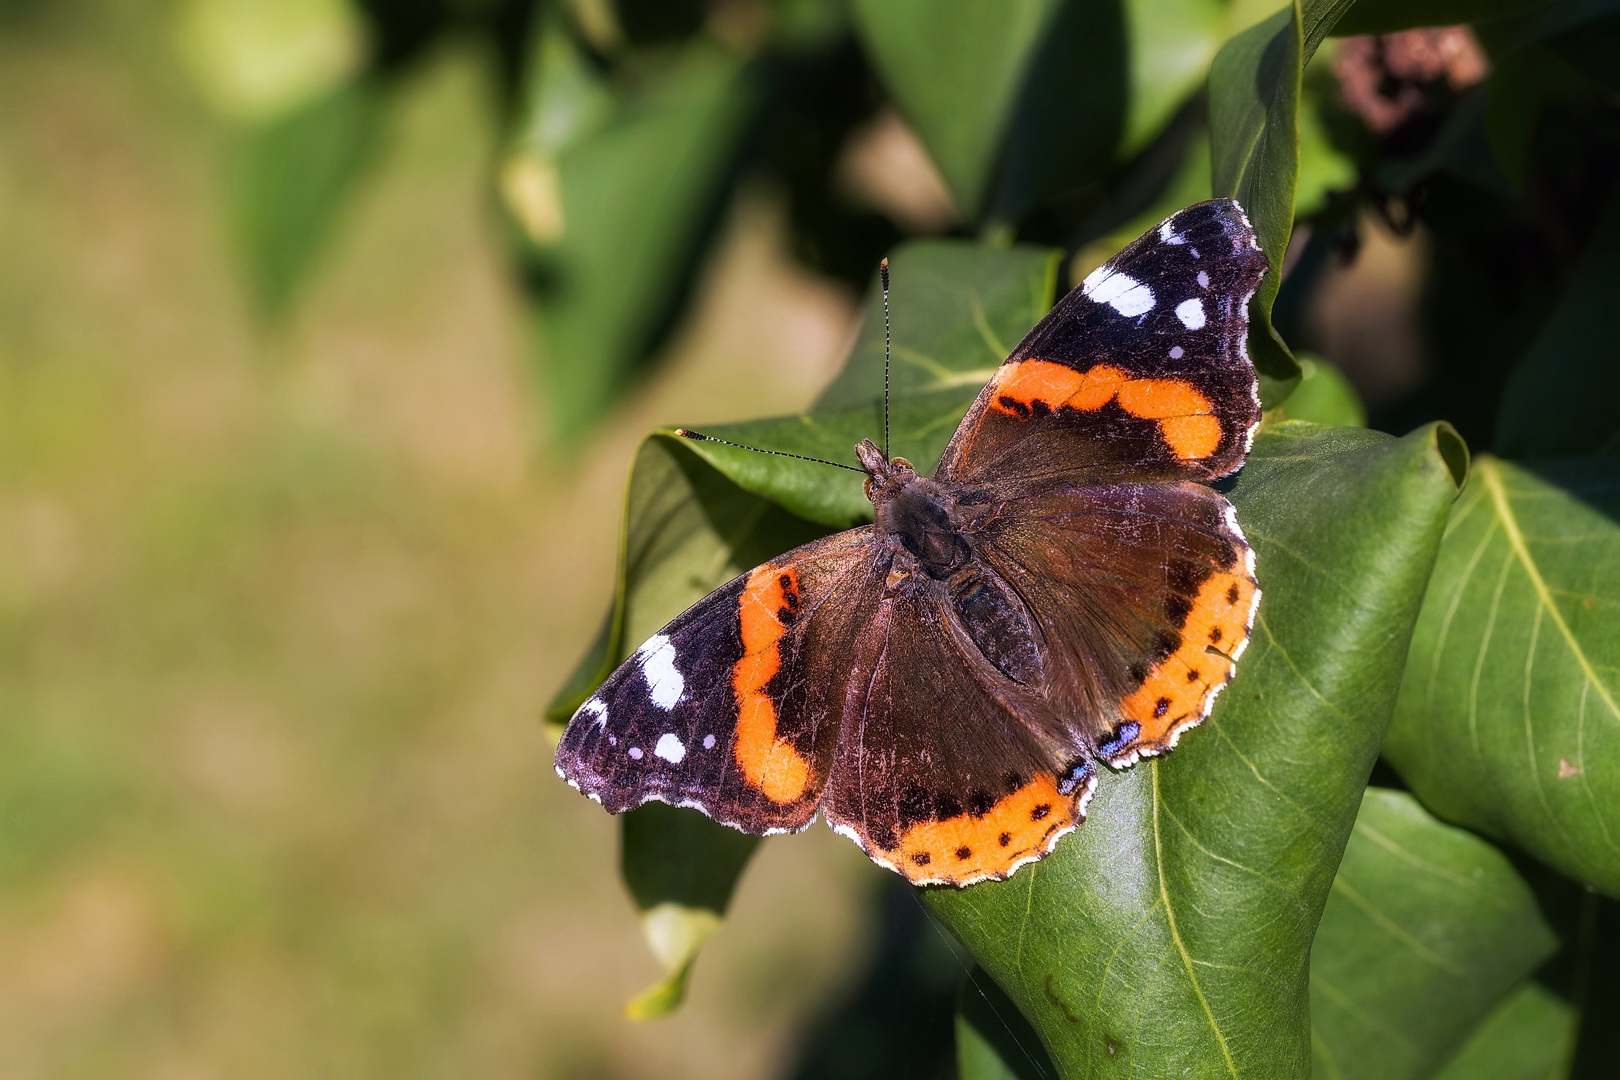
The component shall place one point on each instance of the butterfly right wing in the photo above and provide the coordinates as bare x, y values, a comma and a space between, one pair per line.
1145, 594
734, 707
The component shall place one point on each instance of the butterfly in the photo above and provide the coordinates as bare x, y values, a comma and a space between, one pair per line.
1064, 592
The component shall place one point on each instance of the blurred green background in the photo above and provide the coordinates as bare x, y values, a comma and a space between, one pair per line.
280, 608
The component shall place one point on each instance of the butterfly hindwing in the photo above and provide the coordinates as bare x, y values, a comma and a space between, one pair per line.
1146, 594
948, 770
1139, 373
724, 709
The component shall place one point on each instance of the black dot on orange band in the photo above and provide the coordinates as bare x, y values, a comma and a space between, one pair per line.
1184, 576
1014, 405
1215, 636
1232, 595
1161, 707
1040, 811
964, 852
1004, 839
1192, 676
922, 858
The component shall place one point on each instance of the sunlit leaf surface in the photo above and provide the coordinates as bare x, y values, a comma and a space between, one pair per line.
1509, 718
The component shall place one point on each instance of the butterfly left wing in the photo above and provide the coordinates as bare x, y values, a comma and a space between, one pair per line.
733, 708
1140, 373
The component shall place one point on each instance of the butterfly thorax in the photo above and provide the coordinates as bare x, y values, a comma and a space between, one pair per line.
921, 517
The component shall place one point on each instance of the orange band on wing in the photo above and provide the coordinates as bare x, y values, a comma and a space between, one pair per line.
1177, 693
1185, 415
966, 847
768, 763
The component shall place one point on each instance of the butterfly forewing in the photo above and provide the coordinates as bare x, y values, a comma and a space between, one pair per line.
716, 711
1140, 373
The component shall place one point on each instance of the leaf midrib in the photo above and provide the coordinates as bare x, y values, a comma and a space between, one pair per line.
1175, 932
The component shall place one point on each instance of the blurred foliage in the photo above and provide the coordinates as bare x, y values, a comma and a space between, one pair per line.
1249, 906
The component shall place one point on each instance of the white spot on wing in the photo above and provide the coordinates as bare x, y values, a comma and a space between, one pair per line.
1203, 278
670, 748
1169, 235
665, 684
1191, 313
635, 753
1124, 293
1177, 352
594, 708
708, 742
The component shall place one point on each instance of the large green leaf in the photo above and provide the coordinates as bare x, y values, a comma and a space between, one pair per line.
612, 219
1427, 929
293, 175
1508, 719
1171, 934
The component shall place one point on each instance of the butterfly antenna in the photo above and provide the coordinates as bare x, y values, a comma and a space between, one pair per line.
883, 273
698, 436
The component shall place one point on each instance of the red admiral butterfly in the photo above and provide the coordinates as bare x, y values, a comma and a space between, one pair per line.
1063, 591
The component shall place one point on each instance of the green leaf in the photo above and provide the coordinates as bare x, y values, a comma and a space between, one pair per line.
1172, 43
612, 220
1254, 93
292, 176
1509, 717
1171, 934
681, 870
958, 309
1530, 1036
955, 68
1323, 396
991, 88
1427, 929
